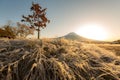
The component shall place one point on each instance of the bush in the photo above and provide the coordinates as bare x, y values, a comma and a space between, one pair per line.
7, 32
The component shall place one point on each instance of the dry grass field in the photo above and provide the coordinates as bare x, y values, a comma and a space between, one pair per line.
57, 60
115, 48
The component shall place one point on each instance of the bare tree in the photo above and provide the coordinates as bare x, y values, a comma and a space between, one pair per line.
23, 30
37, 19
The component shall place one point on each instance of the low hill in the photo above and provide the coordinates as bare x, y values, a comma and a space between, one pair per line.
76, 37
56, 60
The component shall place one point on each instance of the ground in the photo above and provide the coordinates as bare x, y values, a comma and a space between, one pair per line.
58, 60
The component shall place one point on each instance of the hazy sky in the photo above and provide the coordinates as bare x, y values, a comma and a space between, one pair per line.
67, 15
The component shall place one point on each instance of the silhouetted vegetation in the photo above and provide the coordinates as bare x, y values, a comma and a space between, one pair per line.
7, 32
116, 42
37, 19
20, 31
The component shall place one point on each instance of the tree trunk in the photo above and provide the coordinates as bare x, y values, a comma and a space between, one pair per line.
38, 33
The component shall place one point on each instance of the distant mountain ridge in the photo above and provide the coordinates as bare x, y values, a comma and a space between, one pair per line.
74, 36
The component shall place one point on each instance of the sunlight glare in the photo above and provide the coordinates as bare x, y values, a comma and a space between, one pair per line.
93, 31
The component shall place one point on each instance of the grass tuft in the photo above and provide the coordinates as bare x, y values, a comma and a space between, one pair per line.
56, 60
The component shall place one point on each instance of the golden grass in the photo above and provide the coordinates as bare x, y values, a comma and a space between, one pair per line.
56, 60
112, 47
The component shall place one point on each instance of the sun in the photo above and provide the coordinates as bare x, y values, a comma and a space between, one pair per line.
93, 31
